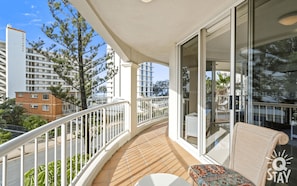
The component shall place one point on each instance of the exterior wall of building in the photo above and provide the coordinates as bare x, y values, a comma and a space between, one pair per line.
144, 80
15, 61
22, 69
114, 85
40, 72
2, 71
43, 104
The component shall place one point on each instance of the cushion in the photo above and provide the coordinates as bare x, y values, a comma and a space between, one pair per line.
217, 175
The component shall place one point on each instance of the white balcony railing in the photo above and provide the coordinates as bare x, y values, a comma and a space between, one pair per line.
273, 112
64, 143
151, 108
61, 152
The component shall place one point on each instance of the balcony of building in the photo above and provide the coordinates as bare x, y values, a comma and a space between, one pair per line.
149, 152
74, 149
245, 38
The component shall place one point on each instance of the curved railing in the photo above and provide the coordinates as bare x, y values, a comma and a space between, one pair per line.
60, 151
151, 108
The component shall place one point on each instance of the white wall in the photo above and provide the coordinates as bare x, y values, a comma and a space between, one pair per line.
15, 61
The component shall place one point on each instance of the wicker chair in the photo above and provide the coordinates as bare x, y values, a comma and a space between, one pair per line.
251, 147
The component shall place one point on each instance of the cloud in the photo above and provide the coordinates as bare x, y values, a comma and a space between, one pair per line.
29, 14
33, 6
35, 20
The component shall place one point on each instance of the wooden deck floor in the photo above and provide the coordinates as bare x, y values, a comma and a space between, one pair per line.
149, 152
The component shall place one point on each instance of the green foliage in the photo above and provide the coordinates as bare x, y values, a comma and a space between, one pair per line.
274, 70
160, 88
64, 94
222, 82
75, 162
75, 52
7, 104
4, 136
12, 113
33, 121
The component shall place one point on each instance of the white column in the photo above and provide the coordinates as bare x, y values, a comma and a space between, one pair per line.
129, 91
174, 96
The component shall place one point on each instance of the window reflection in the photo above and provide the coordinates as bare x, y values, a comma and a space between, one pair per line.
189, 79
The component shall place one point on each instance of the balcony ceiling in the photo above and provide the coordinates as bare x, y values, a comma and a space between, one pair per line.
142, 32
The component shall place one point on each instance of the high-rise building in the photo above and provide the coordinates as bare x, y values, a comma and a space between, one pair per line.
15, 61
2, 71
22, 69
40, 73
144, 79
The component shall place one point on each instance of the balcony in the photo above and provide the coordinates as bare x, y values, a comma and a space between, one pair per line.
149, 152
63, 153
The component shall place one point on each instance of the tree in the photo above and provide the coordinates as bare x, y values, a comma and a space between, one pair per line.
4, 136
33, 121
222, 83
12, 113
160, 88
75, 53
274, 71
102, 89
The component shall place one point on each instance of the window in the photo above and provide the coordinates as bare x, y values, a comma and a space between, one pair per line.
34, 95
45, 107
45, 96
189, 90
20, 95
34, 106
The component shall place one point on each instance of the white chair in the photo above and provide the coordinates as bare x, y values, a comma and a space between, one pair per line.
251, 148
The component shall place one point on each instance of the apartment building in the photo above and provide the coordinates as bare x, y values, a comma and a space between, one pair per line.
26, 75
43, 104
22, 69
40, 72
2, 71
144, 79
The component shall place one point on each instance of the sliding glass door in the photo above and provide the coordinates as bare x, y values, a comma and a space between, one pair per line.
217, 91
189, 86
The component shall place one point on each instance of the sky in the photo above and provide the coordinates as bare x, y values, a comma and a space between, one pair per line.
26, 15
30, 15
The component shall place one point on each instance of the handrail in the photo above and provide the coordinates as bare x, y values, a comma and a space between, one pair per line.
151, 108
66, 138
27, 137
63, 138
273, 112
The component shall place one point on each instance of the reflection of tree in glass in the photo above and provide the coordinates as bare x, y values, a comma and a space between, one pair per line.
222, 83
208, 85
275, 70
185, 81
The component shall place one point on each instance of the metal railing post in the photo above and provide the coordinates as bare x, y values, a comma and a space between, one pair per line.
104, 127
4, 170
63, 155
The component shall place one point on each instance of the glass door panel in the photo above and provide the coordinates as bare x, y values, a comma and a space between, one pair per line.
189, 83
241, 63
217, 83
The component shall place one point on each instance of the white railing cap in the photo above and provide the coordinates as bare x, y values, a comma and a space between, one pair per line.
7, 147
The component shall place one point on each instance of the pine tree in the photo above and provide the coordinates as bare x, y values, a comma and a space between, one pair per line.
75, 52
